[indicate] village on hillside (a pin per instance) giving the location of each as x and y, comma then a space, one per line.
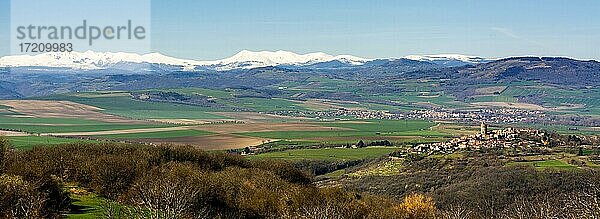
502, 138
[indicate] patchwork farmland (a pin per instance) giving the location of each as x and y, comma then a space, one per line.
115, 116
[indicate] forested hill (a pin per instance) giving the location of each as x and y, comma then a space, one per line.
558, 71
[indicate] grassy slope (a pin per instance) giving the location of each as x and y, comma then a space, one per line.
552, 97
89, 207
266, 105
28, 142
123, 105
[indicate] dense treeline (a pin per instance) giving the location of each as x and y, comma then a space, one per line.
179, 182
321, 167
555, 139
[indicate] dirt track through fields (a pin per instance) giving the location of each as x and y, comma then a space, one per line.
12, 134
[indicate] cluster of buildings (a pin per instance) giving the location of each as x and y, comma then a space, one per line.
504, 138
340, 114
496, 116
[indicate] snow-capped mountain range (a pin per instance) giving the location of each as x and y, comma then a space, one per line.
243, 60
449, 60
90, 60
248, 59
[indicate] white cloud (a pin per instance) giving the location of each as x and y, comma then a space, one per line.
511, 34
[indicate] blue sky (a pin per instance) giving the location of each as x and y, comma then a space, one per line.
4, 27
214, 29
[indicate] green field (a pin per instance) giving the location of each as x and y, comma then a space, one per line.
165, 134
299, 135
62, 125
5, 120
330, 153
7, 113
414, 92
322, 84
588, 99
384, 126
28, 142
61, 128
267, 105
366, 128
199, 91
122, 104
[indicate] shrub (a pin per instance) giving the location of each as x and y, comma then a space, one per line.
23, 199
418, 206
284, 170
173, 189
5, 144
251, 193
18, 198
205, 160
113, 175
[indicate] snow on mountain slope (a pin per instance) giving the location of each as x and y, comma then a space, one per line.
89, 60
249, 59
243, 60
449, 60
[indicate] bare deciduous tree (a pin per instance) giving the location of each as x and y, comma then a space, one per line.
456, 212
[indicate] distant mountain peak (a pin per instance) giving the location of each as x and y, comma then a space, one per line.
244, 59
449, 60
247, 59
90, 60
